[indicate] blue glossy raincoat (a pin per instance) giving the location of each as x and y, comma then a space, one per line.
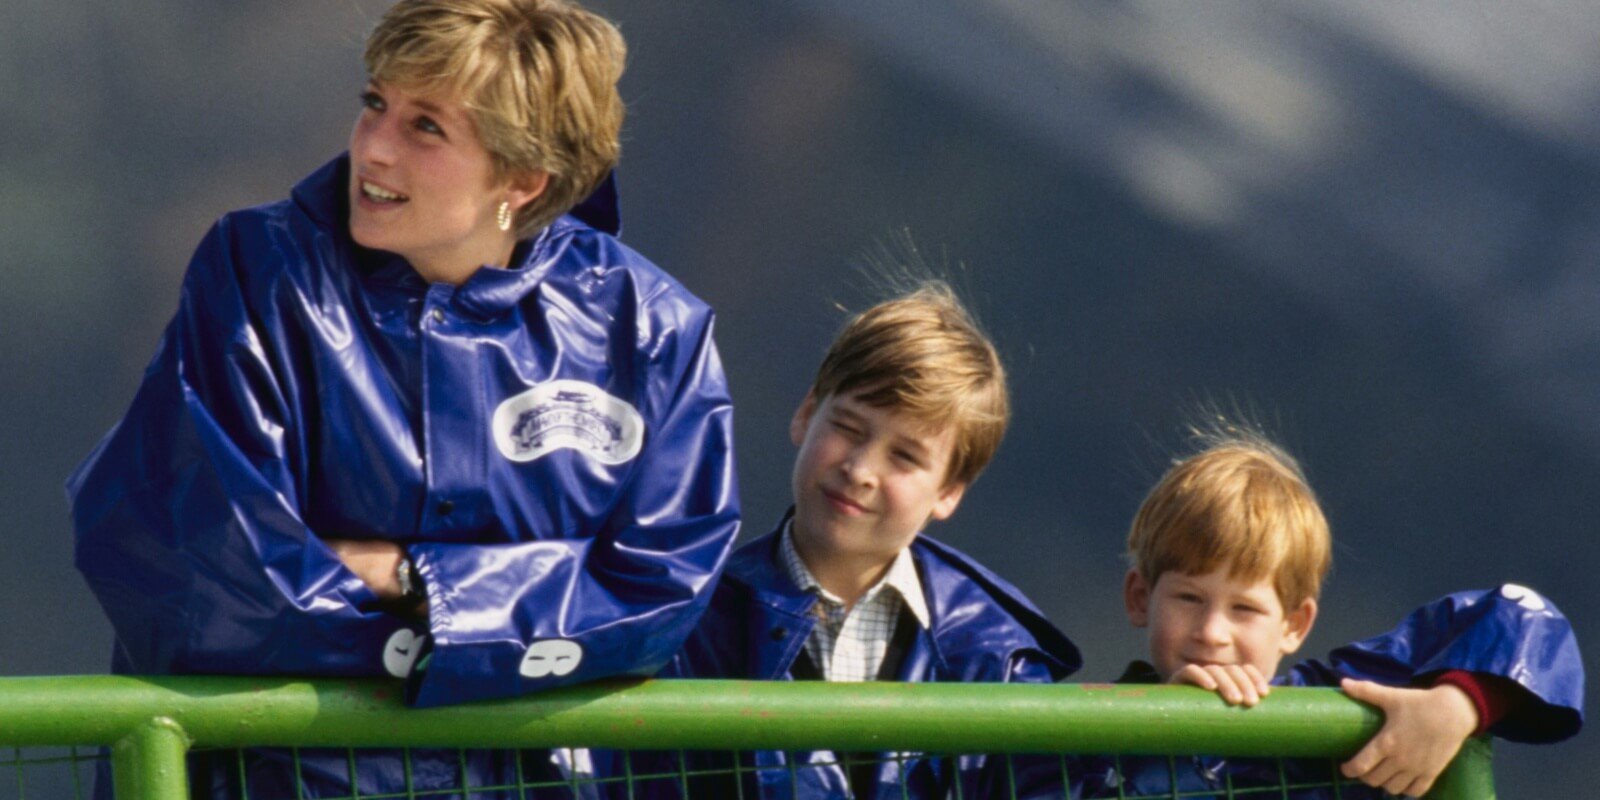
982, 629
551, 443
1511, 632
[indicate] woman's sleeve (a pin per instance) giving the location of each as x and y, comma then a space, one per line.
187, 514
1511, 632
507, 620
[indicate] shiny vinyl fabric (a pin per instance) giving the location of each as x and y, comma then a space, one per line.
552, 443
1511, 632
982, 629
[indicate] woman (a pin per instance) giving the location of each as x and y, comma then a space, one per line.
418, 419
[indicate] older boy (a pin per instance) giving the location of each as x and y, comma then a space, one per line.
906, 410
1229, 552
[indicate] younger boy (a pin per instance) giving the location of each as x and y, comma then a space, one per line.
1229, 551
906, 410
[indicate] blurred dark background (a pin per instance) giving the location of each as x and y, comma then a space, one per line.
1375, 224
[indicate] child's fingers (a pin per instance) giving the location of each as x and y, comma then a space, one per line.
1195, 675
1419, 787
1263, 686
1382, 774
1227, 685
1399, 783
1249, 695
1363, 762
1384, 697
1257, 684
1233, 685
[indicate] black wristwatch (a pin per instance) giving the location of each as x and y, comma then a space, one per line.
411, 590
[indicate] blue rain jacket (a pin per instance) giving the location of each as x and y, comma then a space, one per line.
550, 442
982, 629
1511, 632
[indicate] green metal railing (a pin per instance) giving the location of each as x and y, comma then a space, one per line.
149, 724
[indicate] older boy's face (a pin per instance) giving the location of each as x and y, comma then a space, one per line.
1215, 619
866, 480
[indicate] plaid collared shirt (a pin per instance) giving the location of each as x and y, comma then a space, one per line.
849, 645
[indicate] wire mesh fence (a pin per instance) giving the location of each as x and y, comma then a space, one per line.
256, 738
47, 772
70, 772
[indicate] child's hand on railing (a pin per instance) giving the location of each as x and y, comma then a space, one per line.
1236, 684
1423, 729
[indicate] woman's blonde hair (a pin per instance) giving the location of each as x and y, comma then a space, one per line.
538, 77
924, 355
1240, 504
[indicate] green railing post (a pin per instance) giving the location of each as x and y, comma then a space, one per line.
148, 763
1470, 776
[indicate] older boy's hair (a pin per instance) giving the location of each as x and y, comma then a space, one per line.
923, 354
1240, 504
538, 77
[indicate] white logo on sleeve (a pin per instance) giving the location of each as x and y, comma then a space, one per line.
1525, 597
551, 658
567, 414
400, 652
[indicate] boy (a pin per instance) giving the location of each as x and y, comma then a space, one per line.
1229, 551
905, 412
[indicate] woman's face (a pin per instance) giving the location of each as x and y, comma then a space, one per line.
422, 186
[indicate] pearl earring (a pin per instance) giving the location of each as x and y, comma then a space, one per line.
503, 216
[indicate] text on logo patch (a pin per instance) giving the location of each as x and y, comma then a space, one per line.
567, 414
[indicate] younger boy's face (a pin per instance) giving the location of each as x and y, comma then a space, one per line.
1215, 619
866, 479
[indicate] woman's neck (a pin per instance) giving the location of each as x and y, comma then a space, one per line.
458, 267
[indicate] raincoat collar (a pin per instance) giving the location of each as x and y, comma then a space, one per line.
951, 577
781, 613
489, 292
901, 577
601, 210
959, 592
757, 567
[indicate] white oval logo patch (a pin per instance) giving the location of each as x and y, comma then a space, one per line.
400, 652
551, 658
567, 414
1525, 597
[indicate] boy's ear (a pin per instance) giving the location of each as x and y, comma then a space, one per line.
1297, 625
949, 498
1136, 598
802, 419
